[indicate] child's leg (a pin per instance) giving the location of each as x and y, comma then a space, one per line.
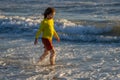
52, 57
43, 55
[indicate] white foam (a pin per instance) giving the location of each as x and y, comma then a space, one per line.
74, 61
70, 27
67, 30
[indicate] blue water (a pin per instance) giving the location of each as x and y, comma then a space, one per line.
68, 9
90, 40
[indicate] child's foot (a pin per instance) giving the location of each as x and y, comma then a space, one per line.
38, 62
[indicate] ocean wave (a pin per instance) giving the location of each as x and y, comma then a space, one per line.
67, 30
17, 24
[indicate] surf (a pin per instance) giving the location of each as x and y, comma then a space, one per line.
68, 30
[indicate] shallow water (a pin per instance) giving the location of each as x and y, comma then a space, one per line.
75, 61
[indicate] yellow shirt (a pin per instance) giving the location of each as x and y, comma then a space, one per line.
47, 29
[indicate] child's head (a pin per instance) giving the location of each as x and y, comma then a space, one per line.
49, 13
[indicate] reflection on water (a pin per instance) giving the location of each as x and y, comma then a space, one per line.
75, 60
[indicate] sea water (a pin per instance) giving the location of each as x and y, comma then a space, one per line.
89, 47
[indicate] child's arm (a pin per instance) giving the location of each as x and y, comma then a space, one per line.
38, 34
56, 36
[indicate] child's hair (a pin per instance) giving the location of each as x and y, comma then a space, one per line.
48, 11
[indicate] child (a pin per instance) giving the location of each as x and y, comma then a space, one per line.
48, 31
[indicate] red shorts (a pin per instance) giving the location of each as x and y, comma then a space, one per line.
47, 43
